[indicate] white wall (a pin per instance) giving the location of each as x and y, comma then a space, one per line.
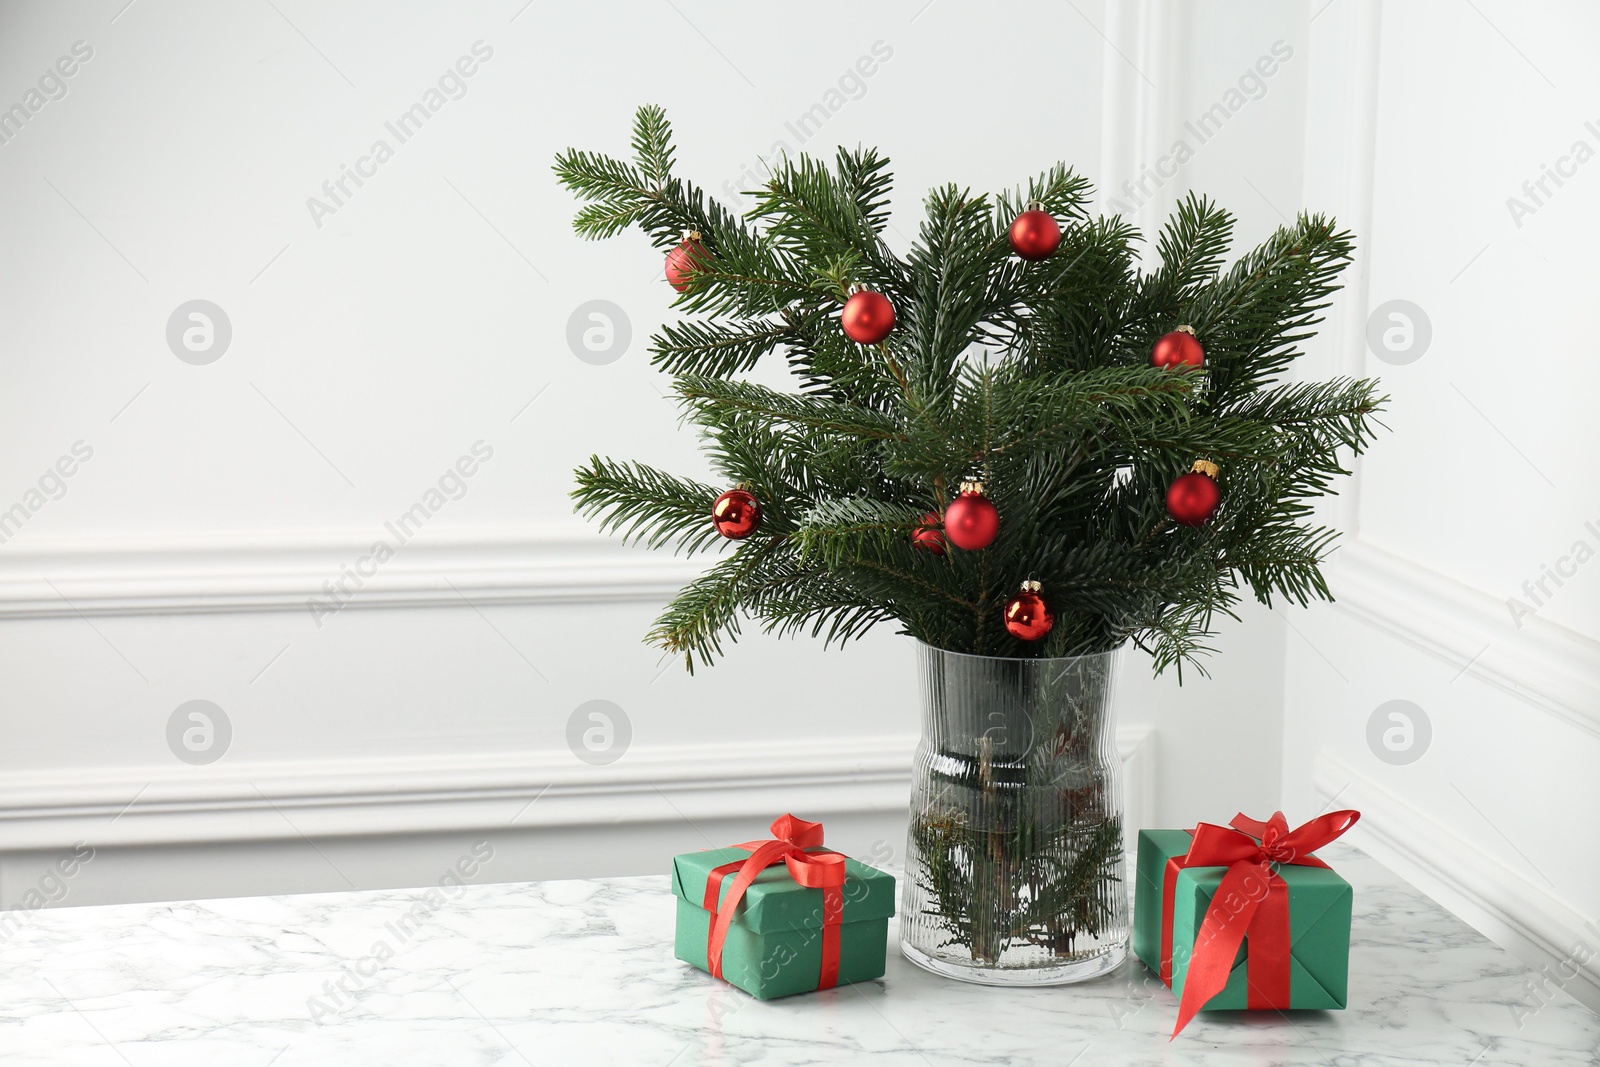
371, 349
1486, 478
430, 312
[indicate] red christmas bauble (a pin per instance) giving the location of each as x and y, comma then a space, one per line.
690, 255
867, 317
736, 514
1027, 616
1193, 498
1178, 348
1035, 234
971, 521
928, 536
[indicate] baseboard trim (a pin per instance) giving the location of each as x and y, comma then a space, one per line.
1475, 885
377, 796
1541, 663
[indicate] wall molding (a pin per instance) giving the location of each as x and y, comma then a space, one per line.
174, 804
1339, 175
1137, 746
374, 796
1542, 663
1475, 885
188, 574
1137, 113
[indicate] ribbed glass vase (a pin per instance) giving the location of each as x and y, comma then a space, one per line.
1014, 865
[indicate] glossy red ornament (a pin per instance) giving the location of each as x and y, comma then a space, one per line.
867, 317
971, 521
928, 536
1178, 348
736, 514
1193, 498
1035, 234
690, 255
1027, 616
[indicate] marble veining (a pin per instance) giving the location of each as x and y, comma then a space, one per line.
582, 972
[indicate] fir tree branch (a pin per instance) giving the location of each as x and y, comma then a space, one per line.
1192, 246
819, 216
707, 609
647, 506
1033, 375
717, 349
652, 145
709, 395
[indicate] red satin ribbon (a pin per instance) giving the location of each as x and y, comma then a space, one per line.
1252, 900
823, 870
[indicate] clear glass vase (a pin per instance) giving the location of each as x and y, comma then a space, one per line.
1014, 864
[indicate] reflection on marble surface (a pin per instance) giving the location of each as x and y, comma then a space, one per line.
582, 972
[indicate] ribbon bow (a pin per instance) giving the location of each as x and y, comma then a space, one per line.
1251, 900
824, 870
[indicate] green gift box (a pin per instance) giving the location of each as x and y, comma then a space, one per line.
1319, 907
778, 941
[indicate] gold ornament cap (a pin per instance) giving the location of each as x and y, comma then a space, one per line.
972, 487
1185, 328
691, 235
1206, 467
1031, 586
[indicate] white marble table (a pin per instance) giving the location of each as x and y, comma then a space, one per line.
581, 972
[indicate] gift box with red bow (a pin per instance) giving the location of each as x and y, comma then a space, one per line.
1244, 915
784, 915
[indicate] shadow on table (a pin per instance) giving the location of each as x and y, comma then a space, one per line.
1309, 1018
